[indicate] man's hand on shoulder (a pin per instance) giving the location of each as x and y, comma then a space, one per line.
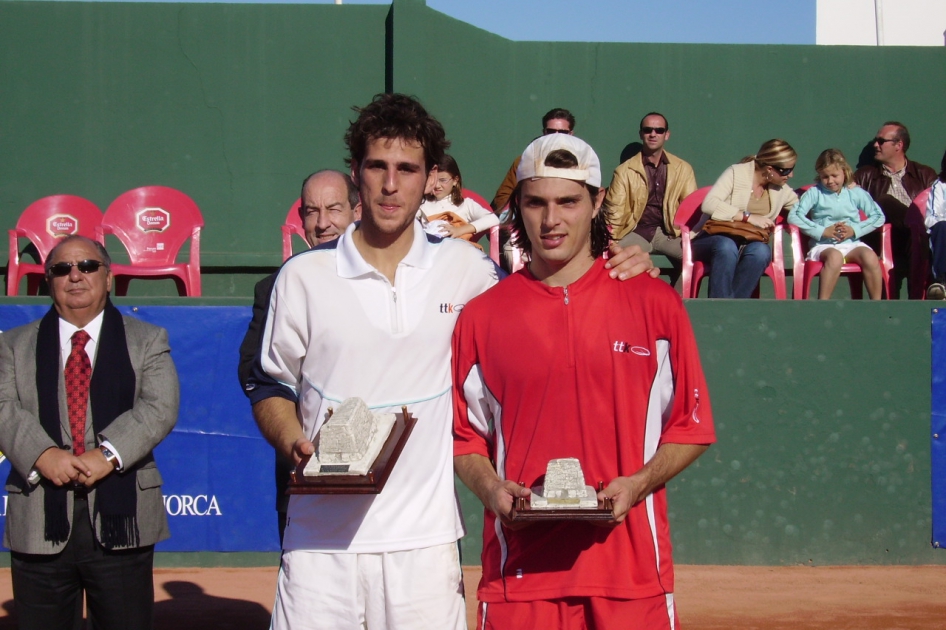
627, 262
99, 467
60, 466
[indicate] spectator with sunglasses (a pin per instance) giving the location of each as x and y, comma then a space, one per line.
556, 120
754, 191
646, 191
894, 182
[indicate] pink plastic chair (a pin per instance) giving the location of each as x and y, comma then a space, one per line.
493, 231
293, 225
804, 271
692, 271
44, 222
153, 222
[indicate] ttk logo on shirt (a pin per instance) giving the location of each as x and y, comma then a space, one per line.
153, 220
627, 348
451, 308
60, 225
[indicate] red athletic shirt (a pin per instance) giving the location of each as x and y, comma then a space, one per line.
601, 370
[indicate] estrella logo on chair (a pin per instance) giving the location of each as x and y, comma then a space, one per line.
153, 219
60, 225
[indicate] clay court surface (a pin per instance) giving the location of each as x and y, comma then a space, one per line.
709, 598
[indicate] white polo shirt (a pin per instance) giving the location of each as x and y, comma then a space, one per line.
337, 328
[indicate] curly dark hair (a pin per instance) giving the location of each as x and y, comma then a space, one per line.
600, 231
395, 116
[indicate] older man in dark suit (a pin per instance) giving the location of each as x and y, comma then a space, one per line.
85, 396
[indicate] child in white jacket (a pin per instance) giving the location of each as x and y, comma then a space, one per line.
445, 210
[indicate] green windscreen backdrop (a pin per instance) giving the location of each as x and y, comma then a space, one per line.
235, 103
822, 409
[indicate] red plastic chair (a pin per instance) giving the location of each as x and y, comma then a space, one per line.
919, 244
692, 271
44, 222
153, 222
493, 231
293, 225
805, 271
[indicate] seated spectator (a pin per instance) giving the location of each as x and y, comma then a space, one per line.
646, 191
445, 210
830, 213
936, 226
894, 182
754, 191
556, 120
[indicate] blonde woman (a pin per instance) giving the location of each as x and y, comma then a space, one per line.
754, 191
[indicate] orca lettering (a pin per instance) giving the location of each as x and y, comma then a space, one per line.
187, 505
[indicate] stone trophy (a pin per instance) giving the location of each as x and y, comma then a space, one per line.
355, 450
563, 497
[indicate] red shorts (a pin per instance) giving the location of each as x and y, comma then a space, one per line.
580, 613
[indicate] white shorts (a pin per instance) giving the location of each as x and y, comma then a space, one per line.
416, 589
845, 247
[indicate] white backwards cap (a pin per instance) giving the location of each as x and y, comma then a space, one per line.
532, 164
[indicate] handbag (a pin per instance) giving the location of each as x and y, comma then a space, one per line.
741, 231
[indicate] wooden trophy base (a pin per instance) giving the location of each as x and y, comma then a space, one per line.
522, 511
371, 482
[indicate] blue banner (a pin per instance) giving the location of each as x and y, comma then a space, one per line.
218, 471
938, 427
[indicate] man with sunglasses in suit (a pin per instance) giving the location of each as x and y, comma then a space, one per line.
894, 182
86, 394
646, 191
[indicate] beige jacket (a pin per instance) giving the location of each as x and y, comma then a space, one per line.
729, 196
627, 195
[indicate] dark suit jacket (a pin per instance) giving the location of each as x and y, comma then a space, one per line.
134, 434
248, 351
251, 340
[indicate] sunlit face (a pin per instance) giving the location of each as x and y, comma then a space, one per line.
832, 178
650, 138
79, 297
886, 148
326, 212
444, 185
557, 125
393, 181
557, 214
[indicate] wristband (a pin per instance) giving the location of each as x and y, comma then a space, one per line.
745, 217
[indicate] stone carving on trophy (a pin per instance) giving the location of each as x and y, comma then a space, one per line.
355, 450
564, 487
564, 496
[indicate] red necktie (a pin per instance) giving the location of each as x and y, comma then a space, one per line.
78, 374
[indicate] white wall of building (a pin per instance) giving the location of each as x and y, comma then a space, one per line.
905, 22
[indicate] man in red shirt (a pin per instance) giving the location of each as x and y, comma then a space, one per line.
601, 371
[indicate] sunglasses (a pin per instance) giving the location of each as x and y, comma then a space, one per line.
64, 268
549, 132
883, 141
784, 172
657, 130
